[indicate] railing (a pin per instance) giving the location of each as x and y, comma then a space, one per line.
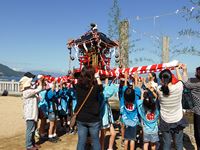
11, 86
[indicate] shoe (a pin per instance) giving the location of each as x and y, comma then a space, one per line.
71, 132
37, 133
43, 138
57, 138
32, 148
52, 140
37, 146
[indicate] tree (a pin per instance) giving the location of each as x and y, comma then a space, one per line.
113, 24
190, 14
114, 32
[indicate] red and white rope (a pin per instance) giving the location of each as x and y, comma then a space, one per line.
141, 69
116, 72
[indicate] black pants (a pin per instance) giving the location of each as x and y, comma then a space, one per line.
197, 130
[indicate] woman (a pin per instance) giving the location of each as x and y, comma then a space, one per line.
88, 119
194, 85
30, 101
172, 122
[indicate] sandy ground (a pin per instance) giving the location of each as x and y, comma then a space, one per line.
11, 114
12, 130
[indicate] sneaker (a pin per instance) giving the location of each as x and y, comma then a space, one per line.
32, 148
43, 138
57, 138
37, 146
37, 133
71, 132
52, 140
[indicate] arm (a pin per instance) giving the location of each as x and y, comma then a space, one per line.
98, 78
178, 74
34, 91
109, 91
185, 73
126, 78
152, 90
136, 78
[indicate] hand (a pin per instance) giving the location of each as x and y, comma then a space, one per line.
184, 66
179, 66
96, 75
135, 75
126, 75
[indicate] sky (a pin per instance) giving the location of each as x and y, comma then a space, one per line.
34, 33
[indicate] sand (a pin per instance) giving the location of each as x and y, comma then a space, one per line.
11, 114
12, 130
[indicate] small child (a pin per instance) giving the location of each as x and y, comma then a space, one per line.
106, 114
149, 114
130, 113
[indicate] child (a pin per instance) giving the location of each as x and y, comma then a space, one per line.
106, 113
52, 100
129, 112
30, 99
63, 104
43, 114
149, 113
122, 128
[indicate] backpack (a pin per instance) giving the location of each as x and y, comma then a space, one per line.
187, 98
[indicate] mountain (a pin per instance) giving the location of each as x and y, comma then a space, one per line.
5, 71
55, 74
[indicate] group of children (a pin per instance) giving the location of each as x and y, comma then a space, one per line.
55, 103
138, 106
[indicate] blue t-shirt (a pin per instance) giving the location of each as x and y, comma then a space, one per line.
42, 104
51, 98
130, 118
64, 100
149, 120
72, 93
108, 91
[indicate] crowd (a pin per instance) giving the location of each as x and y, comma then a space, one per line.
149, 108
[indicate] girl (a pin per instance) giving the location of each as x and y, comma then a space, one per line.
43, 113
106, 113
149, 113
152, 80
129, 112
52, 100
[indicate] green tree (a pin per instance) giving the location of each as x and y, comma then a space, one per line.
190, 14
113, 23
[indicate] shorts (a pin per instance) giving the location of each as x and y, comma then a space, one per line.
153, 138
42, 115
52, 116
130, 133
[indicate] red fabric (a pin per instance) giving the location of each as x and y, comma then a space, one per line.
174, 79
150, 116
129, 106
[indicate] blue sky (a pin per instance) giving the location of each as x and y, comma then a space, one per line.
33, 34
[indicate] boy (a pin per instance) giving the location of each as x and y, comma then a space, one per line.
129, 112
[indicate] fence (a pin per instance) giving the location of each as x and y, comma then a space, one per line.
11, 86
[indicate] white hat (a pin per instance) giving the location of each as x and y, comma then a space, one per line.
25, 82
